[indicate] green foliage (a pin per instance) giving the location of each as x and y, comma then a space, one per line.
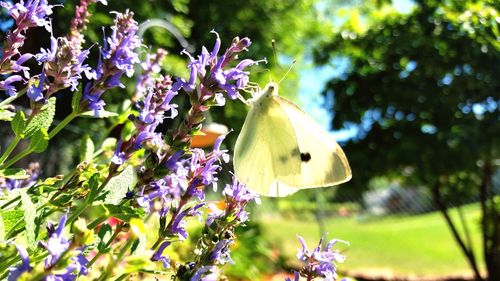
29, 217
118, 186
423, 89
413, 83
13, 173
43, 119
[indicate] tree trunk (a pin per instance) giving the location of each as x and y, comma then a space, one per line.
490, 223
469, 255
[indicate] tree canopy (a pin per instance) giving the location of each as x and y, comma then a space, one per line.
423, 89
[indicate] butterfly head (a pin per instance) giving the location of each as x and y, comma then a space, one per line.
271, 89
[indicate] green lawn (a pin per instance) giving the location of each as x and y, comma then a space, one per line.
404, 246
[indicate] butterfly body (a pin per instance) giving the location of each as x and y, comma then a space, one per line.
281, 150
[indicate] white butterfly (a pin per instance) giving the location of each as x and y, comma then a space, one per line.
281, 150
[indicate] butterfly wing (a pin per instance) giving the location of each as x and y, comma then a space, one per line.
265, 156
323, 163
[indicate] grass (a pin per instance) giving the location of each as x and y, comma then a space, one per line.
419, 245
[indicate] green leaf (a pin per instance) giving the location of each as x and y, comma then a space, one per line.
14, 173
86, 148
43, 119
2, 229
102, 114
13, 219
75, 100
39, 141
6, 115
18, 124
118, 186
29, 216
123, 213
104, 234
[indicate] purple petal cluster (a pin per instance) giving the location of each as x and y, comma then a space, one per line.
178, 227
206, 273
63, 65
27, 14
320, 262
153, 108
117, 58
214, 72
237, 196
150, 66
221, 252
33, 171
57, 245
15, 272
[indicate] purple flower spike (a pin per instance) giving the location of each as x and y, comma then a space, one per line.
6, 84
158, 255
15, 272
35, 93
206, 273
30, 13
221, 253
319, 263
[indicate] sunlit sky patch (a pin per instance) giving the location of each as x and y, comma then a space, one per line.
313, 80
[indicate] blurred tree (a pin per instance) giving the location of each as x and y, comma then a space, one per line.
423, 89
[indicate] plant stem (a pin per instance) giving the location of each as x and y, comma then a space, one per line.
63, 124
9, 149
111, 239
16, 158
14, 97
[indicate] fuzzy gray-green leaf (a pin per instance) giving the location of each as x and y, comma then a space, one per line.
43, 119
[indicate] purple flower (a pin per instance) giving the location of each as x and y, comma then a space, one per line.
206, 273
57, 245
15, 272
221, 253
30, 13
158, 255
35, 92
33, 171
6, 84
26, 14
117, 58
221, 78
149, 67
179, 225
320, 263
63, 63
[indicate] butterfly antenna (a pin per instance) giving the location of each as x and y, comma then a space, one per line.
288, 71
273, 43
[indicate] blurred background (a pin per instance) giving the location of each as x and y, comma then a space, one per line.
409, 88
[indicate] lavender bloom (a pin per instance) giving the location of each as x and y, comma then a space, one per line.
33, 171
80, 20
220, 79
57, 245
320, 263
221, 253
15, 272
30, 14
179, 225
26, 14
117, 58
149, 67
206, 273
158, 255
63, 63
35, 92
6, 84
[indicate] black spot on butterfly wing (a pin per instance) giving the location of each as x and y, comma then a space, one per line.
305, 156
